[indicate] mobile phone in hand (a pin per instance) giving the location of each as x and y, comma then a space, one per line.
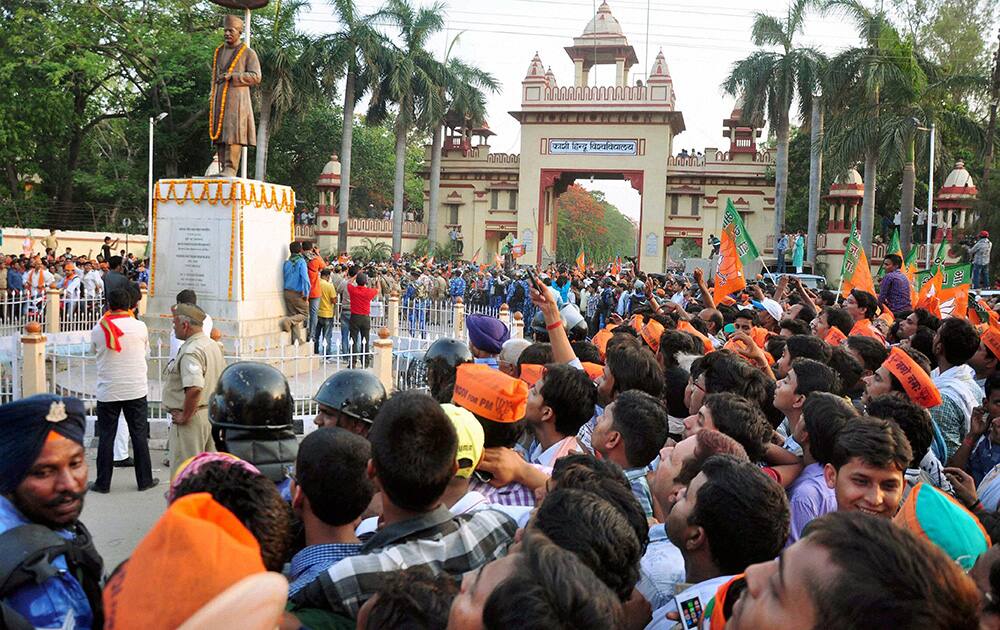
690, 612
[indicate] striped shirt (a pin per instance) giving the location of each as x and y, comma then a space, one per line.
437, 540
640, 488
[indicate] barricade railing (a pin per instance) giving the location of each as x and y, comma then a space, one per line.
17, 308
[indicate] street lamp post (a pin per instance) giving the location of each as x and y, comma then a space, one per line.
149, 198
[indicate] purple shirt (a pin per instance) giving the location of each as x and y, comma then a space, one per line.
809, 497
894, 291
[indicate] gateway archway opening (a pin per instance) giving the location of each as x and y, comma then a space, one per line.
576, 210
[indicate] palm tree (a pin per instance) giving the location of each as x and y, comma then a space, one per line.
410, 81
769, 82
371, 251
291, 79
360, 50
865, 83
460, 97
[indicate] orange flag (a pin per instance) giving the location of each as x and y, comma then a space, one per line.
729, 274
929, 295
858, 275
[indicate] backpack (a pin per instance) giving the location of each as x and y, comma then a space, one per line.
519, 293
27, 555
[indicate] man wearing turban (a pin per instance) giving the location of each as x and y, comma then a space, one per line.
235, 69
43, 479
486, 337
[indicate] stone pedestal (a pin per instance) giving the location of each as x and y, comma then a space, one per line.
225, 239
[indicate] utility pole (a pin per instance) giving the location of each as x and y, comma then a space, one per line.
992, 126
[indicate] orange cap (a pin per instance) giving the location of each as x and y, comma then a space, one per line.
531, 373
636, 323
835, 336
594, 370
651, 333
915, 381
991, 339
490, 393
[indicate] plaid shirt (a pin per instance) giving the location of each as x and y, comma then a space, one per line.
443, 543
315, 559
640, 488
511, 494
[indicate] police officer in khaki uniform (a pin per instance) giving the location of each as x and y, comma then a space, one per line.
190, 381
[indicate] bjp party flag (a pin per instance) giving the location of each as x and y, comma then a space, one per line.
951, 289
729, 276
581, 262
856, 272
745, 246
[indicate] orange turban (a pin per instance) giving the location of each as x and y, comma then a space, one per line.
194, 552
490, 393
917, 383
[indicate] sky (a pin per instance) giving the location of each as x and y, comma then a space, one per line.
700, 43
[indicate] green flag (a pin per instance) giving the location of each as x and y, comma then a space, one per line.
942, 254
910, 262
952, 276
744, 244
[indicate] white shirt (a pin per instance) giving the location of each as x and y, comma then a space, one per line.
31, 279
470, 502
71, 290
122, 375
175, 343
93, 283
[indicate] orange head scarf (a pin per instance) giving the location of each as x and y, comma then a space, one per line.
917, 383
195, 551
490, 393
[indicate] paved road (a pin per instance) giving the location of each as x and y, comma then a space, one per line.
119, 520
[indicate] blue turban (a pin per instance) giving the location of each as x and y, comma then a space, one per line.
487, 333
24, 425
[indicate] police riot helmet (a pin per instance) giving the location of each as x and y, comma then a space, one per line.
251, 396
354, 393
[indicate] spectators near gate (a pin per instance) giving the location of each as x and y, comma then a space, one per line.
296, 291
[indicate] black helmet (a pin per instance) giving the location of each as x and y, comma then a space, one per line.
441, 360
251, 396
354, 393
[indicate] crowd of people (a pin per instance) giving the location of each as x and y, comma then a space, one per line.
644, 458
83, 280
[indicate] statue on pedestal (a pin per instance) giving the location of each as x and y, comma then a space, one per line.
235, 68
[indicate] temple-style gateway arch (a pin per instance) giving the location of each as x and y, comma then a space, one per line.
620, 131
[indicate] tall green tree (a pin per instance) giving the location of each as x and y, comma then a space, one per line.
864, 84
410, 82
770, 82
460, 98
362, 51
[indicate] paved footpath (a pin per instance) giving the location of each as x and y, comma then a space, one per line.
119, 520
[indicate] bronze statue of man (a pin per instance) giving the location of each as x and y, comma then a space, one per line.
235, 68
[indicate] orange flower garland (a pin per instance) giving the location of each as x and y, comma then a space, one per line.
214, 131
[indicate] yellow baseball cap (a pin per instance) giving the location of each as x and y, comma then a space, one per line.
470, 439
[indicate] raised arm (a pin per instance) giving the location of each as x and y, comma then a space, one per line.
541, 297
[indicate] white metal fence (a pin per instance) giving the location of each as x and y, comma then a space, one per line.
17, 308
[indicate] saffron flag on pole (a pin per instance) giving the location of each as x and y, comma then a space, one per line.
616, 266
581, 261
927, 293
745, 246
856, 273
950, 286
475, 257
729, 276
910, 271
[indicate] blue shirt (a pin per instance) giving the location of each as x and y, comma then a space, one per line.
46, 605
314, 559
984, 457
661, 568
894, 291
15, 280
456, 288
809, 497
296, 276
